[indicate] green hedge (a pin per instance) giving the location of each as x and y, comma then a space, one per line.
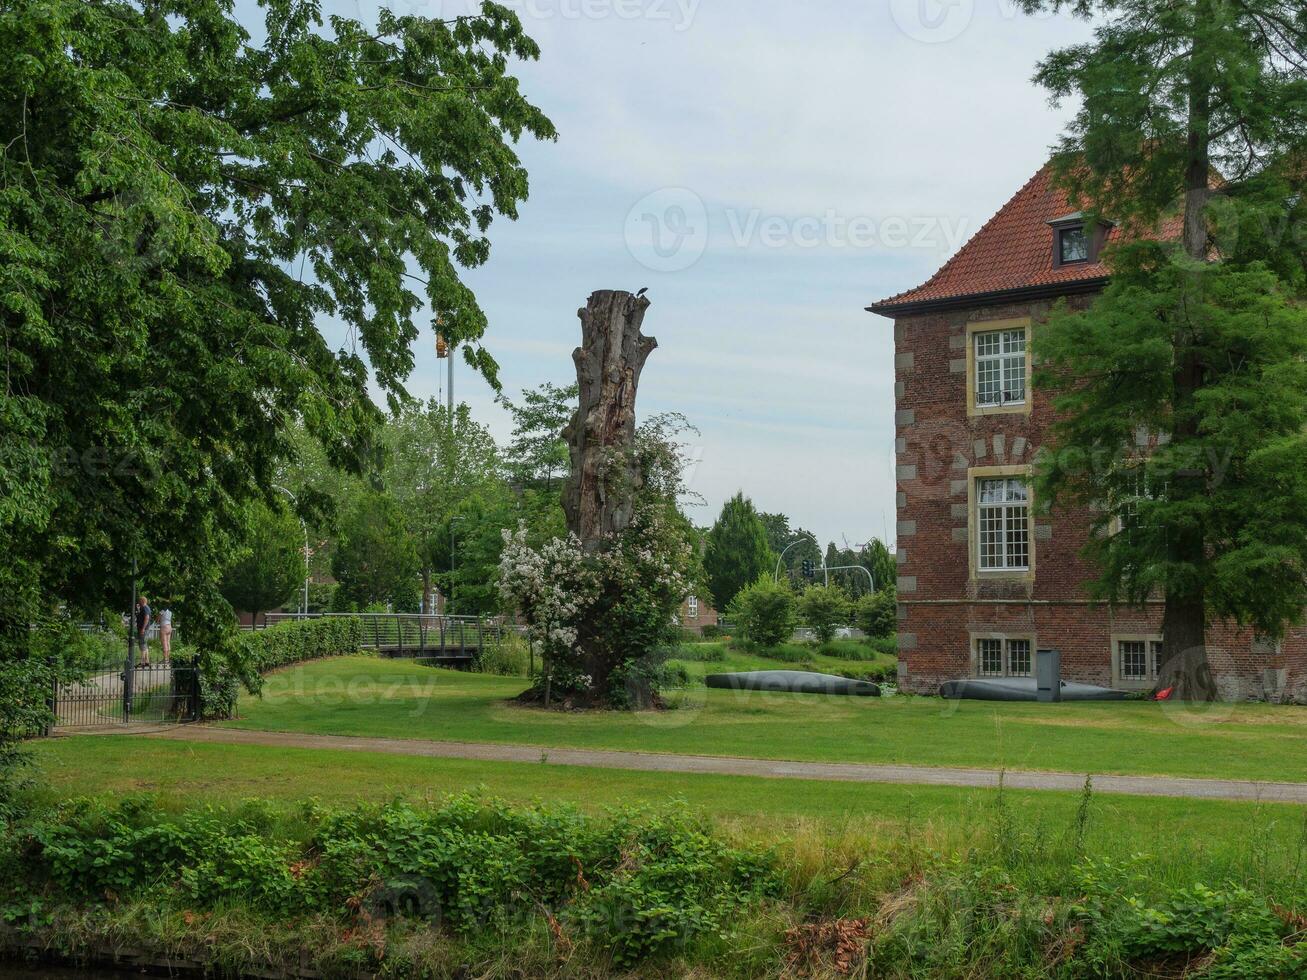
310, 639
288, 643
636, 884
477, 887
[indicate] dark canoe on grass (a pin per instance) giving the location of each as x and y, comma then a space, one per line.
793, 682
1020, 689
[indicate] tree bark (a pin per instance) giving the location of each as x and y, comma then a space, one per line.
599, 495
1184, 665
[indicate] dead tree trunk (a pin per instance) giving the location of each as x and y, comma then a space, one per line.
599, 497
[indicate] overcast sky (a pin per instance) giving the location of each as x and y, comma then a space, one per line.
767, 169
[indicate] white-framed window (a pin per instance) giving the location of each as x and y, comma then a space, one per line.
692, 607
1019, 658
1000, 368
1004, 656
1003, 514
1138, 659
1132, 488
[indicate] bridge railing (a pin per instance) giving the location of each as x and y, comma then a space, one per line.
415, 634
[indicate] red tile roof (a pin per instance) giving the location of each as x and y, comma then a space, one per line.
1014, 250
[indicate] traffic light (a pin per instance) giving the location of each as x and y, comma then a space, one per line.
806, 567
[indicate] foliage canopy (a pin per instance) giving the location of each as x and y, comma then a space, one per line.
180, 206
1181, 419
268, 568
824, 608
736, 552
765, 612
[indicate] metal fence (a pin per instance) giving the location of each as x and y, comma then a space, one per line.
159, 692
151, 633
416, 634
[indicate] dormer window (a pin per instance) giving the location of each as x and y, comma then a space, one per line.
1072, 245
1077, 240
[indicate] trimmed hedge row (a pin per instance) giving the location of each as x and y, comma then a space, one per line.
309, 639
278, 646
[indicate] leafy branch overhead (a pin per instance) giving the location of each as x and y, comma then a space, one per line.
182, 207
1161, 85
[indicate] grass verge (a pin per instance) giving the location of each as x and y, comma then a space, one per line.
1219, 836
370, 697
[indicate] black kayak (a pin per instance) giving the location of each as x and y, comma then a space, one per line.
793, 682
1020, 689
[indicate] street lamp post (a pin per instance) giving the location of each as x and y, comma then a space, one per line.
304, 605
853, 568
799, 540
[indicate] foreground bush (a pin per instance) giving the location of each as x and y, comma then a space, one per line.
637, 885
825, 608
279, 646
764, 612
877, 614
471, 887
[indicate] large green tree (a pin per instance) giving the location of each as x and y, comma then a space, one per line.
736, 553
1181, 419
321, 492
802, 544
882, 564
874, 557
181, 205
537, 455
778, 530
436, 463
268, 569
375, 560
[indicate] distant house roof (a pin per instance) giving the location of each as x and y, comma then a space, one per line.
1011, 256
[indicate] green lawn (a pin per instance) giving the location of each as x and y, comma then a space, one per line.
371, 697
1216, 833
961, 860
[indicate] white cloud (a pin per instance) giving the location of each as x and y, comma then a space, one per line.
792, 111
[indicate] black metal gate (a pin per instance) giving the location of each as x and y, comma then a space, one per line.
159, 693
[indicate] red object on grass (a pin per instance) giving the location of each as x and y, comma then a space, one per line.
1164, 694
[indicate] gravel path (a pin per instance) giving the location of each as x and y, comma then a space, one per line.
1213, 789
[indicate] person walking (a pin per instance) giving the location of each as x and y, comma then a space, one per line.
143, 619
165, 632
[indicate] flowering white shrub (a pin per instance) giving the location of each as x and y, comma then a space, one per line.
549, 586
599, 618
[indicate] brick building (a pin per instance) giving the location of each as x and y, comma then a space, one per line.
696, 613
985, 577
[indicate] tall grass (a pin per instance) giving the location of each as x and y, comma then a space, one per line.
999, 894
702, 652
510, 657
1008, 895
996, 894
